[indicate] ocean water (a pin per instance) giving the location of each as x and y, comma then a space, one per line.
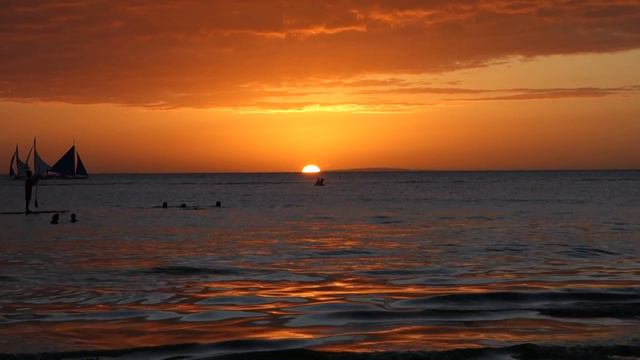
370, 262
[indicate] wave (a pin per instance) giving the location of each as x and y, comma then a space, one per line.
524, 351
619, 304
231, 273
189, 270
622, 294
599, 310
343, 252
587, 252
295, 349
609, 179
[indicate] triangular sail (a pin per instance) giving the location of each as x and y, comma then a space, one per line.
40, 167
26, 161
21, 167
66, 165
12, 173
80, 170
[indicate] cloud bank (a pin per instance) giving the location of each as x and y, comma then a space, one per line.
237, 54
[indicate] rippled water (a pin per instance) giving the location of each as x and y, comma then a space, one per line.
372, 261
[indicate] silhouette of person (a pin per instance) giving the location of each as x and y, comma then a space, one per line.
218, 204
183, 206
55, 218
73, 218
29, 181
164, 205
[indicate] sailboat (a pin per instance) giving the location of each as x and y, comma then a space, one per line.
67, 167
20, 168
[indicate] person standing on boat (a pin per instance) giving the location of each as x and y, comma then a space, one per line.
29, 181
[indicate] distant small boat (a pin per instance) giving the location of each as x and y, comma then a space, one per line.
67, 167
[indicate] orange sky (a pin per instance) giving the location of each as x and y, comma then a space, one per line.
179, 86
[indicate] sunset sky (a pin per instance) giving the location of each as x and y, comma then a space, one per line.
182, 86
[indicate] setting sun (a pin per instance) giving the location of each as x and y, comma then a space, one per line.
311, 169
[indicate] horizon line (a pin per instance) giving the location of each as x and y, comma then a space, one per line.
374, 170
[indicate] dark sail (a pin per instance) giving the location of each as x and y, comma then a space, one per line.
12, 174
66, 165
21, 167
26, 161
40, 167
81, 171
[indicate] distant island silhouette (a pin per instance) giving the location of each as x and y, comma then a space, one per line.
382, 169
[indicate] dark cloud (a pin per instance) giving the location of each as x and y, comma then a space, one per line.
539, 94
423, 90
204, 53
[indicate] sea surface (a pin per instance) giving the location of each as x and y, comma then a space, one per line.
406, 261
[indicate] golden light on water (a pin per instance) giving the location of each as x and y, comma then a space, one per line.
310, 169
